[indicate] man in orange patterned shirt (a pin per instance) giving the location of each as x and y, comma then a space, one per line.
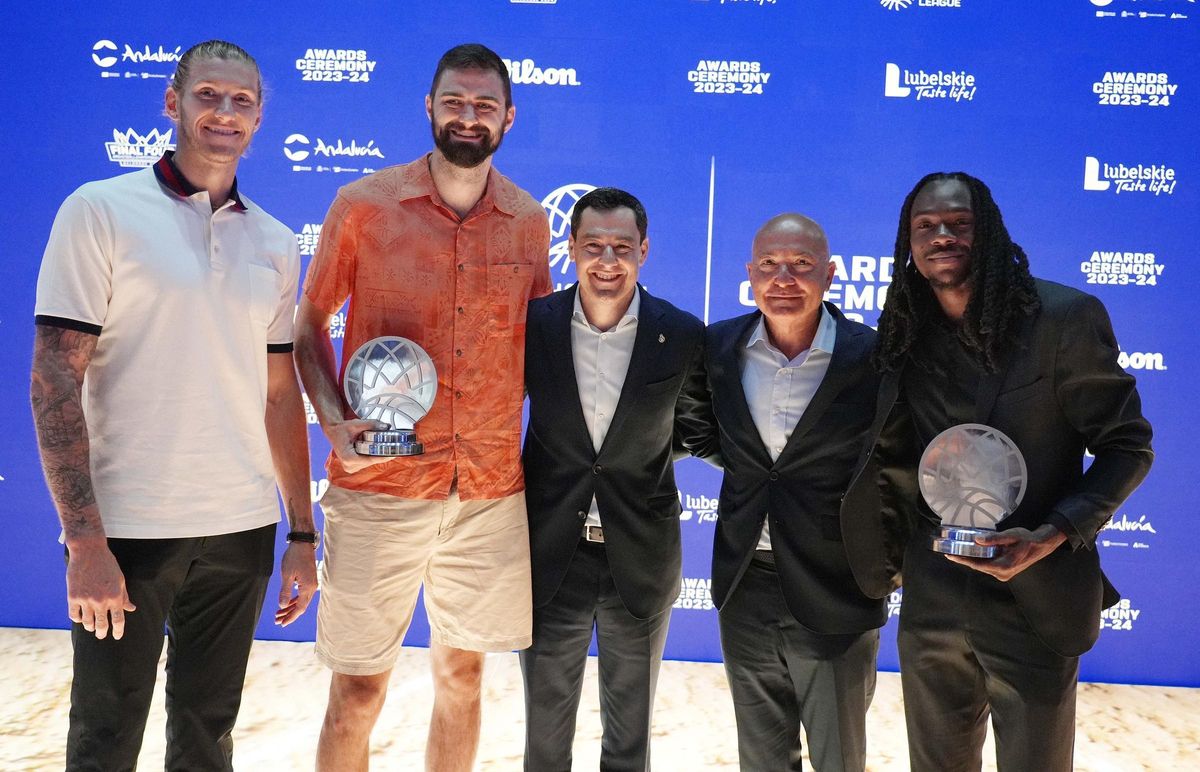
447, 252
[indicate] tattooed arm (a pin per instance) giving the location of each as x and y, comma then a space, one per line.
95, 584
287, 433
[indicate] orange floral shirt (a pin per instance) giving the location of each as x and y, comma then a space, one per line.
459, 288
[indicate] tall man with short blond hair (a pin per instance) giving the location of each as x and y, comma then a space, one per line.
167, 412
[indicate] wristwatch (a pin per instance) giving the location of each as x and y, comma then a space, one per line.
308, 537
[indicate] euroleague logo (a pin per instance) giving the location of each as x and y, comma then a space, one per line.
559, 204
901, 5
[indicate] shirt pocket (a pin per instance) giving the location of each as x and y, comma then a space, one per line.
508, 287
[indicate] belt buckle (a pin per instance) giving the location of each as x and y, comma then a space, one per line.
593, 533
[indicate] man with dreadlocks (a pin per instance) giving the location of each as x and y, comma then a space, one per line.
968, 336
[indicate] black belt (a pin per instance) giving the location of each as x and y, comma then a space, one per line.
764, 557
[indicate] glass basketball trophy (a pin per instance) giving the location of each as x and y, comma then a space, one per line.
391, 380
972, 476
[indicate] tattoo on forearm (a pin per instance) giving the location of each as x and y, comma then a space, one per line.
60, 358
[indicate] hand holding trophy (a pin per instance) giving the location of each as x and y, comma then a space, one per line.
972, 476
391, 380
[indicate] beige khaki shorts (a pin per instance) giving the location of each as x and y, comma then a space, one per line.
471, 556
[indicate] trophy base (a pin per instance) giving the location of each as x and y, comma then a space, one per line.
397, 442
953, 540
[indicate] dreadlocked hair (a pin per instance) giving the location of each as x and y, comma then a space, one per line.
1003, 290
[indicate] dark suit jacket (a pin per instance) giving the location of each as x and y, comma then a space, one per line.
1061, 392
662, 414
834, 550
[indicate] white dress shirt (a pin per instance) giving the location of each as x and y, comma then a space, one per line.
601, 359
778, 390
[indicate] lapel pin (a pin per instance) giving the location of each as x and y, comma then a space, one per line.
662, 338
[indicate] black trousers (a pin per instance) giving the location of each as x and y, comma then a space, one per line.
209, 593
966, 650
630, 651
784, 676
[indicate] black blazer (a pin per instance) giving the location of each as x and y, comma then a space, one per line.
1060, 393
834, 550
662, 414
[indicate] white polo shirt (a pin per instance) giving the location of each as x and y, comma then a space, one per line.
186, 302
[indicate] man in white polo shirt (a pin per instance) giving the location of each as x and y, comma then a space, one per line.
167, 412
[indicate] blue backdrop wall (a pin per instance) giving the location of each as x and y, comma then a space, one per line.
1080, 114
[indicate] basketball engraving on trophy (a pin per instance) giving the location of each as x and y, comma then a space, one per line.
972, 476
392, 380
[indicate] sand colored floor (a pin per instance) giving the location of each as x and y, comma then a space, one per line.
1120, 727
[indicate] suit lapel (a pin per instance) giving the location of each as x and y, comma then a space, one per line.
846, 352
646, 347
557, 335
726, 376
990, 383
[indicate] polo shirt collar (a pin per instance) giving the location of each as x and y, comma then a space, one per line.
172, 179
419, 183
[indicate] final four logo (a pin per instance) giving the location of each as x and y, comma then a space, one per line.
558, 205
131, 149
1158, 179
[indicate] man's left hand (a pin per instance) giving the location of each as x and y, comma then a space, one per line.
297, 570
1020, 548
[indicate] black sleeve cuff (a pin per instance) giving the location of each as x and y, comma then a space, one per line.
67, 324
1063, 524
280, 348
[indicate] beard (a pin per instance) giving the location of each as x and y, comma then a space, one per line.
465, 155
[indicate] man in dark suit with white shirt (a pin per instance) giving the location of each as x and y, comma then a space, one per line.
616, 393
801, 558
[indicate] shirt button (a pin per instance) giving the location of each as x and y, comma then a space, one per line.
773, 476
778, 450
604, 336
516, 269
458, 435
597, 469
458, 352
460, 309
216, 249
461, 267
458, 394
